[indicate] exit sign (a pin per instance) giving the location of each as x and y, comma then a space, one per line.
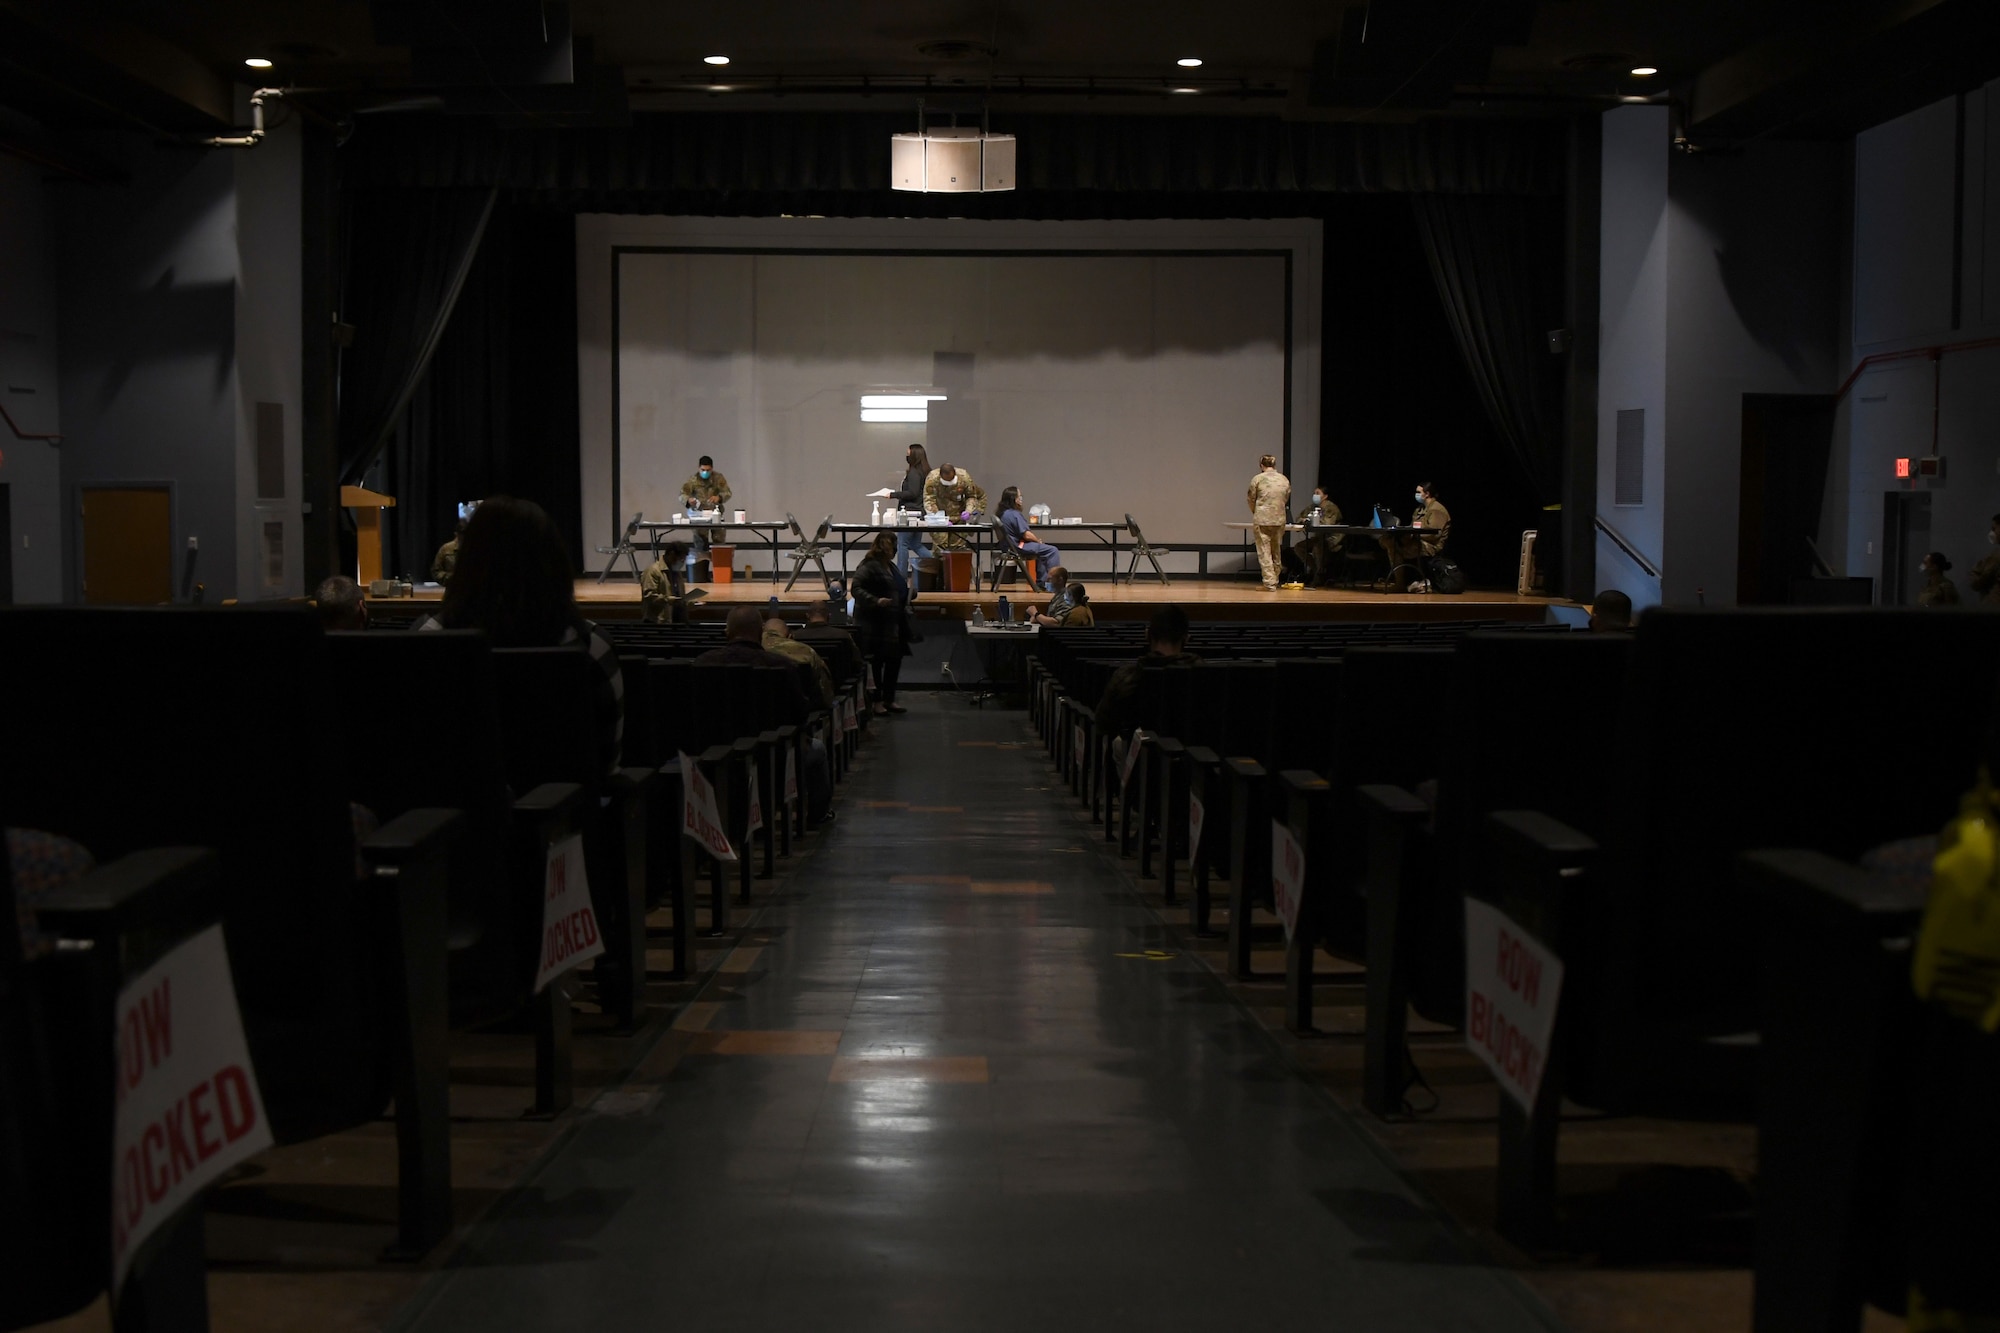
1902, 467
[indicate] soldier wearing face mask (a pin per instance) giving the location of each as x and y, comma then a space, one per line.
706, 489
1986, 574
1415, 549
1319, 547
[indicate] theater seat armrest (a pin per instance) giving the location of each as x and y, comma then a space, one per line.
1803, 883
787, 731
1539, 837
1202, 755
714, 754
1169, 746
1303, 782
548, 798
411, 836
1244, 768
178, 885
1382, 798
631, 779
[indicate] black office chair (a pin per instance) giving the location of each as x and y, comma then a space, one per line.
1140, 546
1006, 553
814, 549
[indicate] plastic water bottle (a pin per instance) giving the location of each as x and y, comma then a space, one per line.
1006, 613
875, 515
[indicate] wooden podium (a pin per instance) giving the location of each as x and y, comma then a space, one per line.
367, 507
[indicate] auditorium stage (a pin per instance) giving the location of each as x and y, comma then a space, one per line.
1202, 599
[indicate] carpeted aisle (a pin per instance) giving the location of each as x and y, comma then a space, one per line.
946, 1087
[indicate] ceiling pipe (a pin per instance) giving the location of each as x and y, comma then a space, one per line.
256, 134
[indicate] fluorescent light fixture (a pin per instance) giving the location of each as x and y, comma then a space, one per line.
258, 62
914, 416
916, 400
1644, 72
715, 60
1189, 62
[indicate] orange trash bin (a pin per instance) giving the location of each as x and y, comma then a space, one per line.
722, 564
958, 571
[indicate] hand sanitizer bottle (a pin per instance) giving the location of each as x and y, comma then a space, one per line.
978, 614
875, 515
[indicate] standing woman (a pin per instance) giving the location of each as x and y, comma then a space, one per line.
910, 496
882, 619
1270, 494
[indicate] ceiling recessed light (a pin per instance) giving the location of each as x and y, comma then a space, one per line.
1183, 90
1644, 72
715, 60
258, 62
1189, 62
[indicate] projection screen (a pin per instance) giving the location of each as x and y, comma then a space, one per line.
1099, 384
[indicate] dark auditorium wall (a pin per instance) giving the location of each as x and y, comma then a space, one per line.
30, 469
1399, 405
147, 292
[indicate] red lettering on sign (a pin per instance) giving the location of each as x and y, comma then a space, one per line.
205, 1147
1520, 967
239, 1108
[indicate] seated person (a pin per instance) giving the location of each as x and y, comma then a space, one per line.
1051, 615
1166, 645
514, 580
1414, 549
446, 558
1079, 615
1318, 549
1015, 520
1611, 612
744, 646
341, 606
835, 645
663, 587
778, 639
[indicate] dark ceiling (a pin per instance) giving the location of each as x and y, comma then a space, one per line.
1735, 68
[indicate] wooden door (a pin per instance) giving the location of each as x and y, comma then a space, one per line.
128, 546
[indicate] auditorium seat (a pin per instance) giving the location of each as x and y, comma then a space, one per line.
553, 734
57, 1014
455, 759
222, 727
1738, 729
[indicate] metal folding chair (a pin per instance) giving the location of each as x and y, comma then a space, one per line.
1140, 546
814, 548
1006, 553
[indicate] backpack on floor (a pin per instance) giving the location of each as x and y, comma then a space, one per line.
1445, 575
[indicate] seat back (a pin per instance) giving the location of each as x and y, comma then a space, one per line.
1772, 728
825, 526
549, 699
793, 523
455, 760
1132, 527
219, 727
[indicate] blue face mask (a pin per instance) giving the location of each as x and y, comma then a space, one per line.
704, 474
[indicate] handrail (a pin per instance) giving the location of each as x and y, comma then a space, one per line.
1932, 353
1618, 539
20, 434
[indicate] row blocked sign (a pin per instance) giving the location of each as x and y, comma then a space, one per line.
1512, 984
701, 819
1288, 875
1131, 757
188, 1105
569, 923
756, 806
1196, 813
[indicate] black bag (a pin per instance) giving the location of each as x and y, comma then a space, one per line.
1444, 574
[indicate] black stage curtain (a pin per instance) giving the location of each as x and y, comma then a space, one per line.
405, 254
1498, 265
496, 413
1397, 404
721, 155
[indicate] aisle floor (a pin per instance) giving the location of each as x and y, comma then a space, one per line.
958, 1087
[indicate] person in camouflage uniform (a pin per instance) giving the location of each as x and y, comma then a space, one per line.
778, 639
706, 489
662, 591
951, 491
